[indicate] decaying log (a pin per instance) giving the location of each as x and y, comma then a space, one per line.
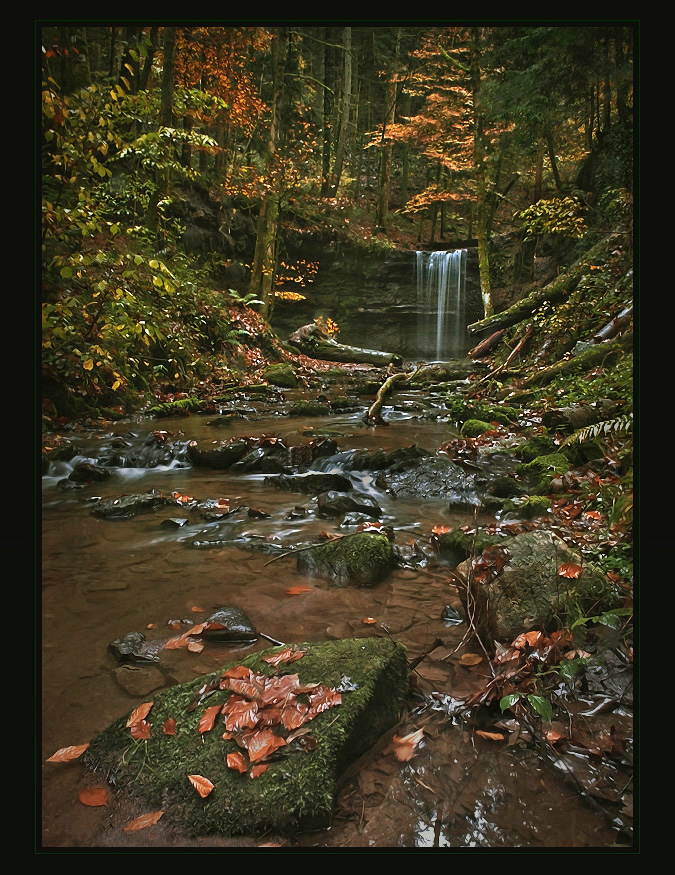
514, 352
313, 342
557, 290
373, 416
486, 345
621, 320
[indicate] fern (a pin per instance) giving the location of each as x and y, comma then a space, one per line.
619, 425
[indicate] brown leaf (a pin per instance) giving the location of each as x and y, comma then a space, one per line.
258, 769
93, 796
296, 590
491, 736
143, 821
284, 656
169, 727
202, 785
139, 713
470, 659
405, 746
237, 761
261, 745
369, 621
66, 754
208, 718
140, 730
570, 569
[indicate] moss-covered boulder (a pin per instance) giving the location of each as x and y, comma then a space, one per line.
462, 410
361, 559
217, 454
531, 581
309, 408
282, 375
542, 470
271, 735
475, 427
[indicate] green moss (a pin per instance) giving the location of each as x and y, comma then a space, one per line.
543, 469
309, 408
363, 559
462, 410
182, 407
298, 788
475, 427
282, 375
537, 445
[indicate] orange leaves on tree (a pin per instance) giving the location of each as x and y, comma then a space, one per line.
66, 754
406, 745
93, 796
143, 821
202, 785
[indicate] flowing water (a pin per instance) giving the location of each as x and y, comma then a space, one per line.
441, 287
102, 579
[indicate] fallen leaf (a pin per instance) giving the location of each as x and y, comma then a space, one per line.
195, 646
139, 713
258, 769
369, 621
296, 590
143, 821
284, 656
208, 718
570, 569
93, 796
140, 730
405, 746
491, 736
527, 639
66, 754
262, 744
202, 785
470, 659
237, 761
169, 727
197, 610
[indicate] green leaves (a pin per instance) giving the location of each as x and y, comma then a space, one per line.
540, 704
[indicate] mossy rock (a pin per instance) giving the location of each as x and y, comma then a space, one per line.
462, 410
541, 470
297, 791
455, 546
282, 375
309, 408
361, 559
537, 445
475, 427
182, 407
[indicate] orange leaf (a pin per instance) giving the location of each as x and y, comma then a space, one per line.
195, 646
470, 659
93, 796
570, 569
527, 639
285, 656
296, 590
169, 727
369, 621
141, 729
406, 745
237, 761
491, 736
208, 718
139, 713
197, 610
202, 785
261, 744
66, 754
258, 770
440, 530
143, 821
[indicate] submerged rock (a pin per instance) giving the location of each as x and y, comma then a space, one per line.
263, 775
361, 559
334, 504
230, 625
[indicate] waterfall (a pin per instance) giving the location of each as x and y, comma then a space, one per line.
441, 286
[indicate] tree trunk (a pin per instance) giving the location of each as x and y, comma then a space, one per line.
168, 77
482, 202
264, 259
344, 113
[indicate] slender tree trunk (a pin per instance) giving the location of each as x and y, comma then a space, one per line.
168, 77
344, 113
264, 259
482, 202
384, 179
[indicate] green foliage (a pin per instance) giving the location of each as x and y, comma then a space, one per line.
561, 216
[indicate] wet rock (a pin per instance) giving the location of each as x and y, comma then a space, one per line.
311, 483
334, 504
140, 680
361, 559
218, 454
434, 477
86, 472
525, 591
230, 625
132, 648
396, 460
126, 506
309, 408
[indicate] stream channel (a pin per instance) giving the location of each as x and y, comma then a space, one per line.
103, 578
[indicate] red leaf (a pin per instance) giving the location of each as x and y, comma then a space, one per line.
139, 713
66, 754
93, 796
491, 736
570, 569
202, 785
208, 718
143, 821
140, 730
169, 727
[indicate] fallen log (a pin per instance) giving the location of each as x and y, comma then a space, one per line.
486, 345
314, 343
621, 320
373, 416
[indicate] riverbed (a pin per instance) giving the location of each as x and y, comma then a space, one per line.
103, 578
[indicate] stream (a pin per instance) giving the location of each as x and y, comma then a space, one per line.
103, 578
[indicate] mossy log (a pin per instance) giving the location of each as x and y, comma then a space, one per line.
297, 790
311, 341
556, 291
373, 416
604, 354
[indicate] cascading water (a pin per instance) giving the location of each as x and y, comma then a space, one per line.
441, 288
